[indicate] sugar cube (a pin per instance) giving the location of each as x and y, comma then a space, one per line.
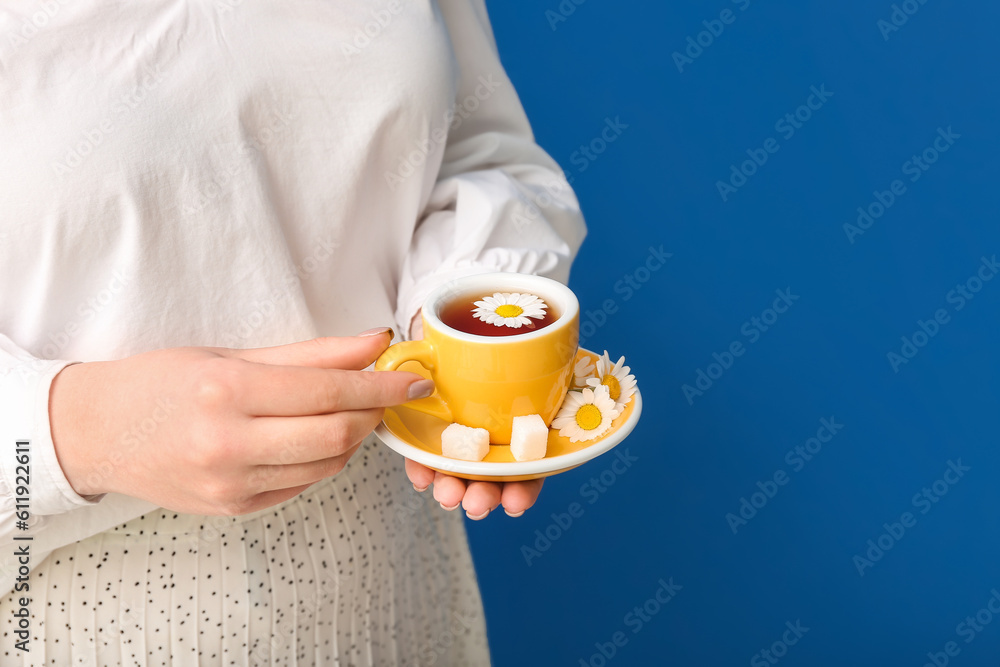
529, 438
465, 443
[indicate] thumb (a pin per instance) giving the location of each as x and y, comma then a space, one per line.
353, 353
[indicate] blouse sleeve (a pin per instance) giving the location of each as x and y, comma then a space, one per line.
24, 418
500, 202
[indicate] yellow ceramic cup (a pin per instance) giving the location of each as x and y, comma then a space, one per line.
486, 381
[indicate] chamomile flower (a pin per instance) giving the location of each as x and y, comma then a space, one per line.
616, 378
586, 414
583, 371
510, 309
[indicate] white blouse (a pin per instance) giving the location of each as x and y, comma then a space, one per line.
241, 174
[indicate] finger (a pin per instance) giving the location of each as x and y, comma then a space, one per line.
348, 353
520, 496
269, 499
276, 477
275, 391
420, 475
283, 441
481, 498
448, 490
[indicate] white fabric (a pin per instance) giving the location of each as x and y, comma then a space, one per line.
195, 172
359, 569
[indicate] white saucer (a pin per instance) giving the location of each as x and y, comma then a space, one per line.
417, 436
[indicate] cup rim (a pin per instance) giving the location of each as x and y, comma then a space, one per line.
546, 287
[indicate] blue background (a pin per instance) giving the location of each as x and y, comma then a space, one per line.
826, 357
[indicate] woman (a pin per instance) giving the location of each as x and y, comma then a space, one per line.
188, 187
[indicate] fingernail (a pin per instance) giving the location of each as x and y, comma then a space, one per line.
480, 517
514, 515
418, 489
453, 507
377, 331
420, 389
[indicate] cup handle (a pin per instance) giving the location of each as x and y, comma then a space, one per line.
422, 352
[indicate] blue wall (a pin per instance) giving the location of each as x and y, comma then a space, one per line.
897, 433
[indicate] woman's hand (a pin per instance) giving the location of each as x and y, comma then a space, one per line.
219, 431
478, 499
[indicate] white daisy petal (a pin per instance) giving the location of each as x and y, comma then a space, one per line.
577, 423
582, 371
530, 301
573, 400
525, 306
533, 311
603, 362
616, 375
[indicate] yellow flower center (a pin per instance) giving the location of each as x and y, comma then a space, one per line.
509, 310
588, 417
614, 389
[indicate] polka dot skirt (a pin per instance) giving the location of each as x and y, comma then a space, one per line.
358, 570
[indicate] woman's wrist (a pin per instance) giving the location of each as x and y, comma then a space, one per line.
67, 421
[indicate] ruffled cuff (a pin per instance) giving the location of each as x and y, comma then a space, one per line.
24, 410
